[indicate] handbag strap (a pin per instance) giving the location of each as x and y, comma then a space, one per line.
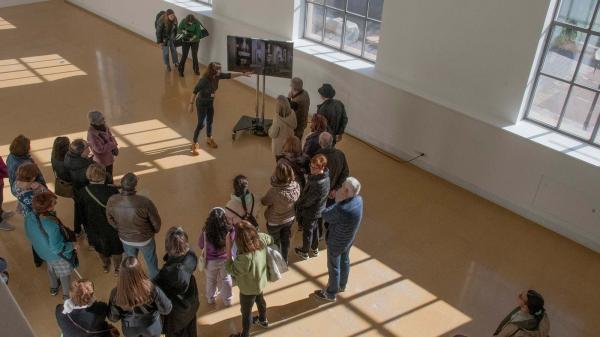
84, 329
94, 197
43, 230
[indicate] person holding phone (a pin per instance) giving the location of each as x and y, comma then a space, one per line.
204, 96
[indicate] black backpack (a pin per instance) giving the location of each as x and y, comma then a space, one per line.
248, 216
158, 16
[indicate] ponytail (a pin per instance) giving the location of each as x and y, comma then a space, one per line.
535, 305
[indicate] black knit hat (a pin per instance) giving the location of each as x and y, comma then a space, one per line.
327, 91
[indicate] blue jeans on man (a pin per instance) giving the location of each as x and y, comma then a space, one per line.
149, 252
338, 266
167, 47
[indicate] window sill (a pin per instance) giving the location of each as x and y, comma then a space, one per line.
191, 5
557, 141
332, 55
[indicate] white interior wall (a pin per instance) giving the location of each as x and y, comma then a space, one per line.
471, 57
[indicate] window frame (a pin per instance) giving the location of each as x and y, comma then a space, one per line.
206, 2
346, 13
554, 23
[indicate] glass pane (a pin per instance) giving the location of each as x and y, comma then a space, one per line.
354, 34
372, 40
576, 12
358, 6
589, 70
548, 100
375, 9
317, 1
314, 22
341, 4
334, 23
563, 52
580, 117
597, 141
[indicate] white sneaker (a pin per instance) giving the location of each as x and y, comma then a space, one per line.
5, 226
7, 214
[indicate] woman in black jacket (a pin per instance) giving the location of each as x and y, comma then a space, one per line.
101, 235
81, 315
318, 125
166, 31
59, 151
137, 302
310, 205
176, 278
76, 163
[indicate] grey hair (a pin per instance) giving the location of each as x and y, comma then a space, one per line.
354, 185
129, 182
326, 140
297, 83
78, 146
283, 108
95, 117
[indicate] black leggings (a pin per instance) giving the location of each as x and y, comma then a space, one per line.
246, 304
281, 237
204, 112
185, 49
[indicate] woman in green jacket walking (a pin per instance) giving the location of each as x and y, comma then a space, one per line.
249, 270
191, 29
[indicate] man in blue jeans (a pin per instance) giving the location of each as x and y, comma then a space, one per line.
344, 218
136, 220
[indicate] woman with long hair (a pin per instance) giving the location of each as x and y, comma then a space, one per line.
284, 124
60, 147
176, 279
166, 31
241, 206
292, 155
318, 125
82, 315
45, 231
212, 241
280, 199
191, 29
100, 234
137, 302
203, 97
249, 270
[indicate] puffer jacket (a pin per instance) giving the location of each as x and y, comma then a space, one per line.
280, 200
76, 165
135, 217
312, 200
523, 328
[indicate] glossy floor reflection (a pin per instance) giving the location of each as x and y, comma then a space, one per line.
430, 260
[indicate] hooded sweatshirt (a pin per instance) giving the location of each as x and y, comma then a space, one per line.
280, 199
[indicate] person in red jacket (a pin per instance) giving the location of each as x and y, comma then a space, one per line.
4, 225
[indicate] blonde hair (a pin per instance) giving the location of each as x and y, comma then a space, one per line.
283, 107
81, 292
96, 173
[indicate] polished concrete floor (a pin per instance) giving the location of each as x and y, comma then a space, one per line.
431, 259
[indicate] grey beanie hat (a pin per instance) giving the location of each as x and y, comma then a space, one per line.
129, 182
95, 117
297, 83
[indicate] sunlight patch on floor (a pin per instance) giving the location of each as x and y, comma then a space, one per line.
36, 69
6, 25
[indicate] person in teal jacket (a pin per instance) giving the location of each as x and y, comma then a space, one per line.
249, 270
191, 29
42, 228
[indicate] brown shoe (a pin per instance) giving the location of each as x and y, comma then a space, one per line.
211, 143
195, 148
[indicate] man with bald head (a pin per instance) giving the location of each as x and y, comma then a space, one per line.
344, 218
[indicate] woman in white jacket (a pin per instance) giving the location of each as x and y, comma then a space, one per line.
284, 124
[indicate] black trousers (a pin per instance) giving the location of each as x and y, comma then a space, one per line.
204, 112
246, 304
310, 234
281, 237
185, 49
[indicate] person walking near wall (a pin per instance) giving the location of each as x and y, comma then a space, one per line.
191, 29
166, 31
102, 143
334, 111
344, 218
203, 97
136, 219
300, 102
284, 123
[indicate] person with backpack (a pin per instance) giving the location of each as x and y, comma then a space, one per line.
249, 269
176, 279
166, 31
101, 235
241, 206
192, 30
137, 302
212, 243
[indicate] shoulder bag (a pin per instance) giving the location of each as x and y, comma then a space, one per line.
62, 188
94, 197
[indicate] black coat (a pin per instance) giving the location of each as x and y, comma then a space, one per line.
143, 319
165, 31
92, 319
312, 199
76, 165
176, 278
337, 165
311, 144
58, 166
335, 113
299, 164
101, 235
